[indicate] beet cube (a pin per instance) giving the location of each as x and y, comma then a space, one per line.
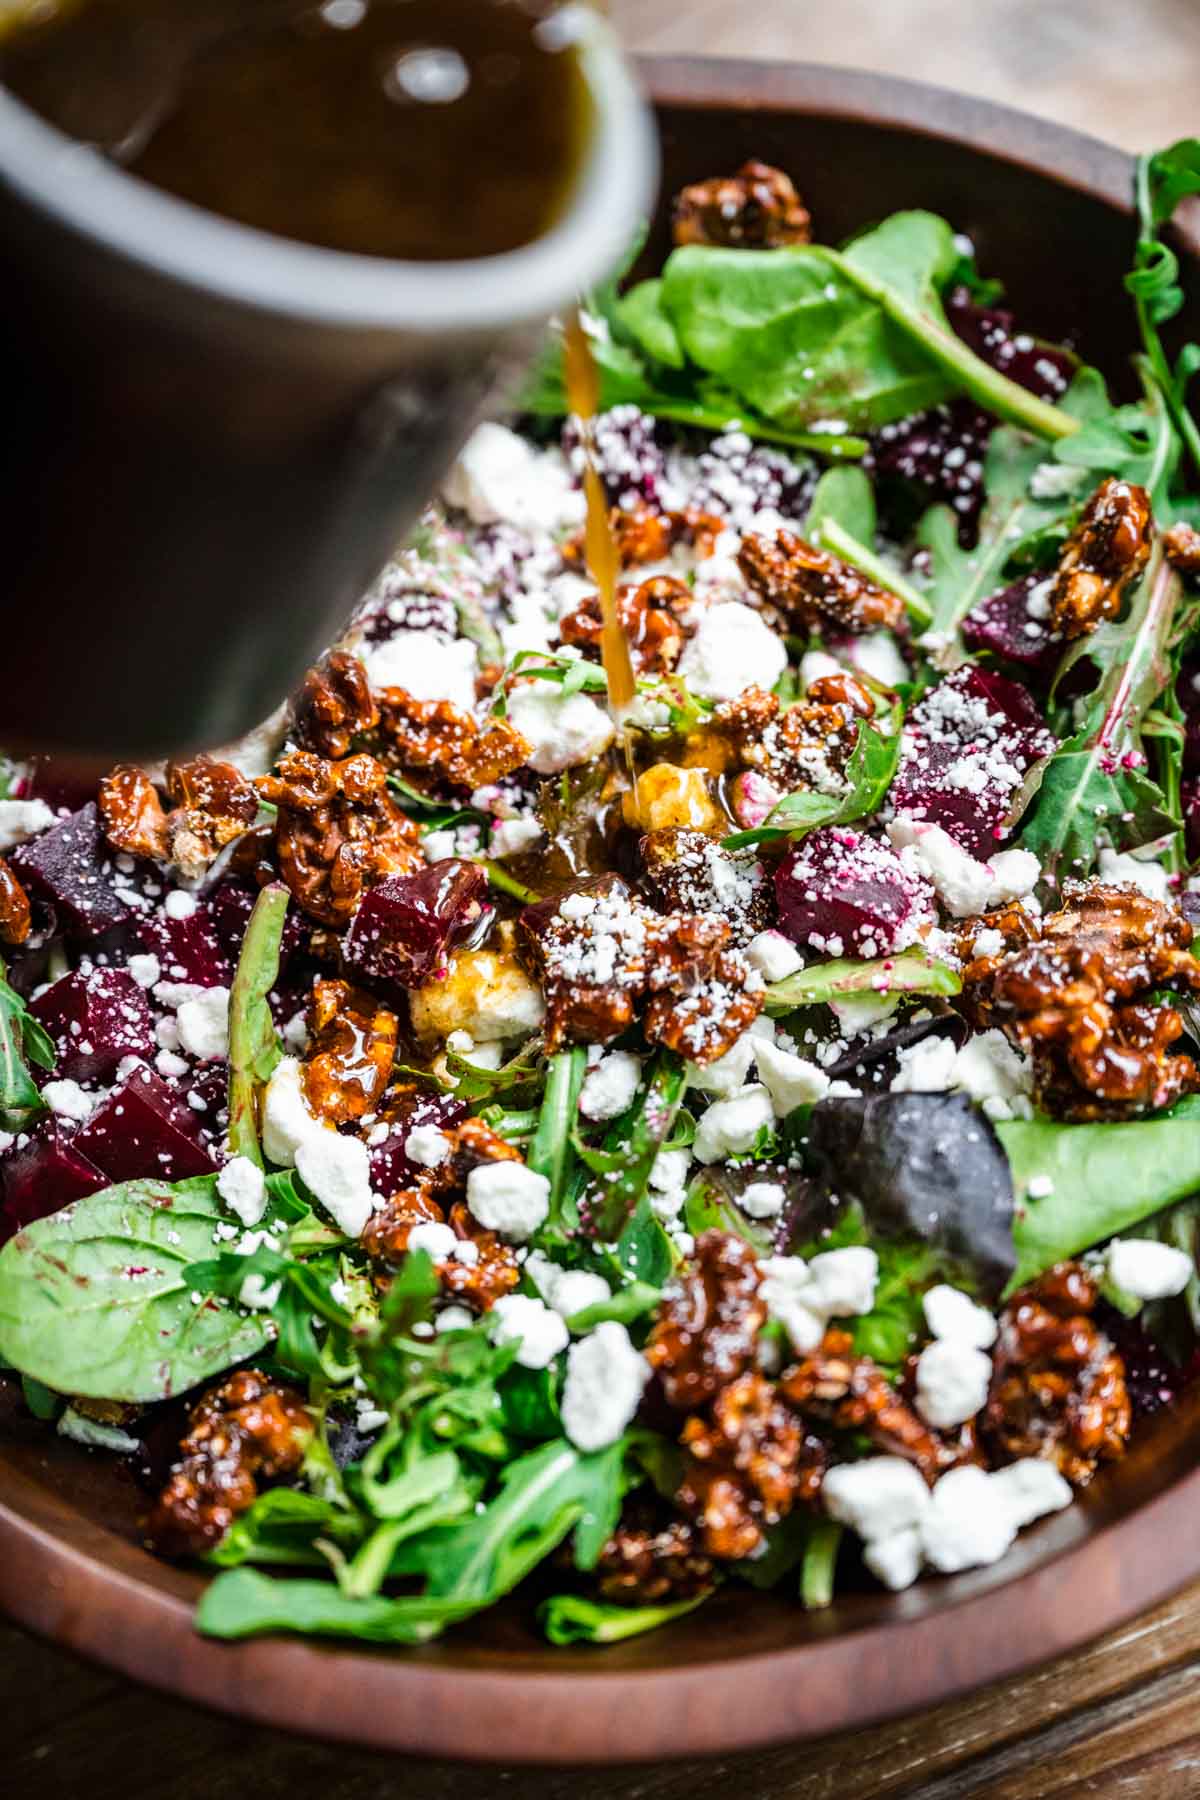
43, 1172
230, 905
95, 1020
188, 948
405, 927
968, 746
142, 1129
846, 894
391, 1168
1014, 623
68, 868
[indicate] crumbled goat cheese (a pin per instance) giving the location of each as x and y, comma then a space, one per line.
68, 1099
337, 1170
786, 1292
964, 886
926, 1067
815, 665
728, 1073
856, 1013
603, 1388
500, 478
146, 970
988, 942
538, 1332
1015, 873
609, 1088
790, 1080
427, 667
576, 1290
170, 1065
895, 1560
437, 1240
877, 655
1130, 871
1147, 1269
954, 1316
179, 904
511, 836
876, 1497
204, 1025
733, 649
952, 1382
842, 1282
454, 1318
561, 730
995, 1075
773, 955
731, 1127
243, 1187
669, 1170
1031, 1488
969, 1522
763, 1199
22, 819
508, 1198
427, 1145
286, 1120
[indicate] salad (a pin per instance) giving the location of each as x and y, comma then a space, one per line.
458, 1140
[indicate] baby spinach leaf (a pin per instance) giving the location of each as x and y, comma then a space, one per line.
846, 496
648, 324
1103, 1179
574, 1619
244, 1603
911, 972
21, 1040
253, 1046
867, 778
644, 1251
833, 536
95, 1300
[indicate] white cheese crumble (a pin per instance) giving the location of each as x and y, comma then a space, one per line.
146, 970
511, 836
538, 1332
427, 1145
733, 649
437, 1240
730, 1127
603, 1388
337, 1170
561, 731
763, 1199
790, 1080
952, 1382
995, 1075
773, 955
953, 1315
204, 1025
22, 819
243, 1187
1130, 871
499, 478
68, 1099
425, 666
609, 1087
179, 904
1146, 1269
508, 1198
926, 1067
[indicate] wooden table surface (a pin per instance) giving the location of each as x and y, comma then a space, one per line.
1117, 1720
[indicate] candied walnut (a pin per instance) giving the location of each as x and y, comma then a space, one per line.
335, 705
841, 690
351, 1051
652, 1557
16, 918
850, 1392
436, 738
494, 1272
649, 616
706, 1022
1182, 545
687, 872
1058, 1388
386, 1233
809, 587
758, 208
746, 1466
337, 831
134, 821
1103, 556
471, 1145
246, 1429
1077, 998
212, 804
1015, 925
643, 535
708, 1323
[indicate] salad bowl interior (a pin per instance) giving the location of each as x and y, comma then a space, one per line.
1050, 213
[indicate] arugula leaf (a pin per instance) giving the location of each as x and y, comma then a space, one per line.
1105, 1178
280, 1526
95, 1300
631, 1144
22, 1040
253, 1046
912, 972
1095, 786
710, 1207
868, 776
305, 1289
574, 1619
550, 1153
1163, 179
834, 537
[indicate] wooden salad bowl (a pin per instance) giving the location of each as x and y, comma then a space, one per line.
1050, 212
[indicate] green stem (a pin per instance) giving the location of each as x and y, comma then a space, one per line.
253, 1046
550, 1154
835, 537
819, 1567
508, 884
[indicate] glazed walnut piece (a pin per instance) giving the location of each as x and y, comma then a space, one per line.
1076, 997
212, 804
746, 1465
799, 747
337, 831
1103, 556
758, 208
15, 915
652, 1557
650, 617
708, 1324
644, 535
245, 1429
351, 1051
836, 1386
435, 738
335, 705
809, 587
1058, 1388
1182, 545
134, 821
686, 872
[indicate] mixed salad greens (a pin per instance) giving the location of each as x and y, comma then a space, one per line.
461, 1140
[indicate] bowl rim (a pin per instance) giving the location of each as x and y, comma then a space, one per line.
67, 1577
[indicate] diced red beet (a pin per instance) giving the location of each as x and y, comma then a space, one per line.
142, 1129
188, 948
1190, 795
68, 869
967, 748
58, 784
205, 1094
846, 894
405, 926
992, 333
1187, 692
43, 1173
95, 1020
391, 1169
230, 904
1012, 623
